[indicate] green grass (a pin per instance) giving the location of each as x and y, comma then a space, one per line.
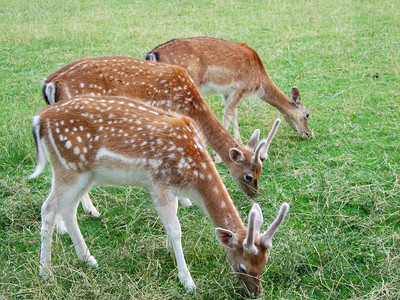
341, 237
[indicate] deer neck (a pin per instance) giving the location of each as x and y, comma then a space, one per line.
217, 137
274, 96
218, 205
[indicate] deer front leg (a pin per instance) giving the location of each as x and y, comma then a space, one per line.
167, 209
231, 114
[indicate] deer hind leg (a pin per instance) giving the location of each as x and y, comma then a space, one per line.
185, 202
60, 225
88, 206
49, 212
167, 208
67, 207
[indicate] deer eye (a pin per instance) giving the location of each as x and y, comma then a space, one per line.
307, 115
248, 177
242, 268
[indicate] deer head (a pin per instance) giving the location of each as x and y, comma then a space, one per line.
246, 169
247, 253
297, 116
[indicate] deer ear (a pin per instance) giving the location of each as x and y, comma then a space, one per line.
226, 238
296, 97
254, 138
236, 155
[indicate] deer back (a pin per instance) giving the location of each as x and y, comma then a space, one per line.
210, 60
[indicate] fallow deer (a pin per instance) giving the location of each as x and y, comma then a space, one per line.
116, 140
235, 71
165, 86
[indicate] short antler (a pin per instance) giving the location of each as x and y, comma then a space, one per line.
254, 138
266, 238
261, 152
271, 135
255, 221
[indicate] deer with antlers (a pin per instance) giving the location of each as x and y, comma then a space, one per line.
167, 87
120, 141
235, 71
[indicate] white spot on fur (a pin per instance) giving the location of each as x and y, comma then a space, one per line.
155, 163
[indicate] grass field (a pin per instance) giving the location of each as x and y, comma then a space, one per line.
341, 237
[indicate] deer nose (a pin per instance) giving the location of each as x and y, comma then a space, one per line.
255, 291
253, 194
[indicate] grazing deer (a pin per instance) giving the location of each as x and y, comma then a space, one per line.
167, 87
235, 71
116, 140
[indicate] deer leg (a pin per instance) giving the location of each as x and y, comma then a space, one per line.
235, 126
68, 206
231, 114
48, 213
167, 208
88, 206
60, 225
185, 202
